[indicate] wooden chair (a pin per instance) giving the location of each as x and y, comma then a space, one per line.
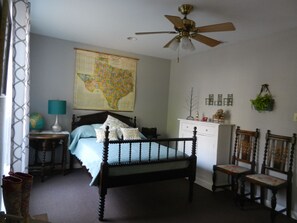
242, 161
276, 171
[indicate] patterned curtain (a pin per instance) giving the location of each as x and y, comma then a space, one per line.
20, 86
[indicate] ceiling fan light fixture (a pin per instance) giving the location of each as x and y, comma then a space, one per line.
174, 44
186, 31
192, 47
187, 44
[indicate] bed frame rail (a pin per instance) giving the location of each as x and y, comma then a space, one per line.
105, 181
179, 145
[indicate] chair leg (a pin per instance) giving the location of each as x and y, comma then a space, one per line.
214, 178
234, 184
242, 192
289, 200
235, 187
262, 195
273, 205
252, 191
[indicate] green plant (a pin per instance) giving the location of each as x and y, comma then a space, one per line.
263, 102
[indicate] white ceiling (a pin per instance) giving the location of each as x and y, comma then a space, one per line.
108, 23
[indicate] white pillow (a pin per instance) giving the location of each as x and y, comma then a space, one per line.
114, 123
100, 135
130, 133
96, 126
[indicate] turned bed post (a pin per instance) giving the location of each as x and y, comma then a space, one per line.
193, 157
134, 122
103, 176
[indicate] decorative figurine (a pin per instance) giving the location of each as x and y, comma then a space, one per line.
197, 116
219, 116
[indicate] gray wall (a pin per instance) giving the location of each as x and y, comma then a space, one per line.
52, 77
241, 69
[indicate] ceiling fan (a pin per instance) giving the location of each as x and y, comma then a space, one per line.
186, 30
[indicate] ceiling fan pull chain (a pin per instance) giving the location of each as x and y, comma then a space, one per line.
178, 54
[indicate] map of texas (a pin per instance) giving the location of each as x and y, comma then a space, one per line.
115, 83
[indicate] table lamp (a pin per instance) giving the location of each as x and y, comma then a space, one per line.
56, 107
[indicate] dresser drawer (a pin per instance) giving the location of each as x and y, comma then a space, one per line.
206, 130
201, 129
186, 127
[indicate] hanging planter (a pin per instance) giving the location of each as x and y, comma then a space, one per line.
264, 100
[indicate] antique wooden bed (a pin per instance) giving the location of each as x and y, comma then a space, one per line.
155, 167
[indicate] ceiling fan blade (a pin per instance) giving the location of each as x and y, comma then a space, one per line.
228, 26
206, 40
168, 44
176, 21
160, 32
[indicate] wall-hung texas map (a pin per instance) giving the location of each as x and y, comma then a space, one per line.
104, 81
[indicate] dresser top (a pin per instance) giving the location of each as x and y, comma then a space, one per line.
202, 123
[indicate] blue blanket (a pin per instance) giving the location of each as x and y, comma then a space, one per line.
89, 152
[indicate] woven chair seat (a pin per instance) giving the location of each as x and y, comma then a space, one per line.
267, 179
233, 168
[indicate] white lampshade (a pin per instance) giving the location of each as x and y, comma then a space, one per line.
174, 44
187, 44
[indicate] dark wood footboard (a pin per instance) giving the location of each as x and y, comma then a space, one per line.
106, 181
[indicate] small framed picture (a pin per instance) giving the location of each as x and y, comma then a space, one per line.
225, 101
220, 100
211, 101
230, 100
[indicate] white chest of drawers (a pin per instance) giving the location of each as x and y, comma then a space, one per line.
213, 147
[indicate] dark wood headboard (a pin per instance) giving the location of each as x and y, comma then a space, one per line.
100, 117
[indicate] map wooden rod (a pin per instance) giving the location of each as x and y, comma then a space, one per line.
93, 51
